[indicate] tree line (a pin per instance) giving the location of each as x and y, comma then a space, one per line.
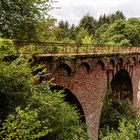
108, 29
30, 21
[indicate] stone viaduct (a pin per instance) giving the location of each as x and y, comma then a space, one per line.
86, 80
88, 73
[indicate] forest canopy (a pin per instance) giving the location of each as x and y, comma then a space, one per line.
30, 21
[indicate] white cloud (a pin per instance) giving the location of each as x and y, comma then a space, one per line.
74, 10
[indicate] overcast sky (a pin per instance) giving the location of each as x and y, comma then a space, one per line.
74, 10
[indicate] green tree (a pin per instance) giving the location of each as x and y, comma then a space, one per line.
6, 48
99, 34
62, 31
88, 23
15, 85
133, 31
113, 112
46, 29
18, 19
122, 32
73, 32
116, 16
128, 130
47, 116
103, 19
81, 35
24, 125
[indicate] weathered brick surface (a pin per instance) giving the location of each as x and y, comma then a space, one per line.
89, 80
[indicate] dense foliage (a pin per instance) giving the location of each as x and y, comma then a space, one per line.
19, 18
6, 48
108, 29
30, 111
116, 114
127, 130
29, 21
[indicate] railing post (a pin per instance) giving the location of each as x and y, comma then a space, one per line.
78, 49
94, 49
70, 49
17, 50
66, 47
108, 49
36, 48
86, 48
52, 49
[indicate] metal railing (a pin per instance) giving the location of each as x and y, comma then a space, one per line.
54, 49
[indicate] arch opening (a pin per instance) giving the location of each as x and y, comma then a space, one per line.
121, 86
71, 99
117, 103
134, 60
101, 64
120, 62
112, 62
63, 70
85, 66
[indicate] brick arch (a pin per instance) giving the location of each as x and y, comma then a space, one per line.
112, 62
121, 85
63, 69
85, 65
71, 99
101, 64
120, 61
134, 60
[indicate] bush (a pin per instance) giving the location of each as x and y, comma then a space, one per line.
6, 48
125, 42
24, 125
30, 111
16, 81
128, 130
114, 110
46, 116
64, 120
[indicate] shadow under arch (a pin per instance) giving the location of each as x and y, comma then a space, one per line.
115, 104
85, 64
64, 69
112, 62
71, 99
101, 64
121, 86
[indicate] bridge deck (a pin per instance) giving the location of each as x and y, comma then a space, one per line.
43, 49
85, 54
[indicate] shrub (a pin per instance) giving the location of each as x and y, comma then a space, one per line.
6, 48
127, 130
114, 110
30, 111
